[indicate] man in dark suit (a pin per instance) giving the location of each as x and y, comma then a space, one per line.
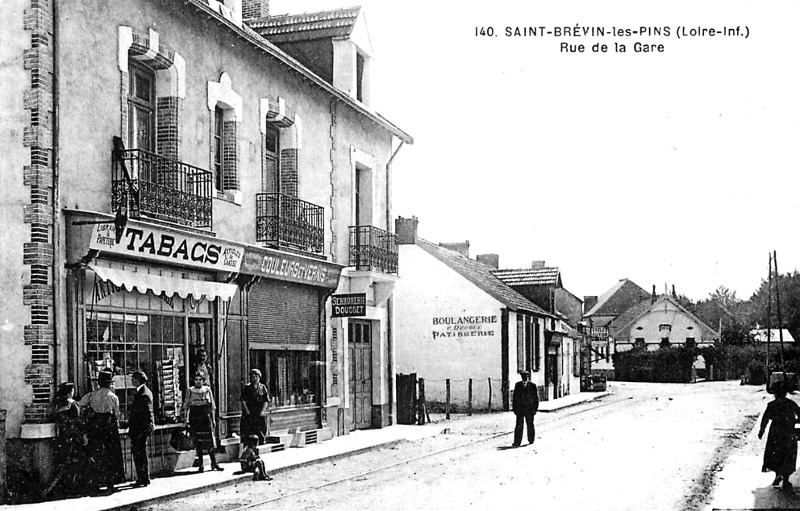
140, 426
525, 406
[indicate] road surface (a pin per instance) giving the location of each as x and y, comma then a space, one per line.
645, 446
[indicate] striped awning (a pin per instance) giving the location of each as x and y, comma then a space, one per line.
144, 282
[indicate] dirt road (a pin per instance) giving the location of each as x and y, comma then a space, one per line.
645, 446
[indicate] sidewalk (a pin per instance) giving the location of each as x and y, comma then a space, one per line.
188, 481
742, 486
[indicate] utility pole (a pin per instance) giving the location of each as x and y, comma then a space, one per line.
769, 316
778, 306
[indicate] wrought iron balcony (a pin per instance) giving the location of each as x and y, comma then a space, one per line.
373, 249
286, 221
150, 185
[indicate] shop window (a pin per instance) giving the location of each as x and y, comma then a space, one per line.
291, 377
151, 343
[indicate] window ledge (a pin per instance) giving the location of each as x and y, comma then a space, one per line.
232, 196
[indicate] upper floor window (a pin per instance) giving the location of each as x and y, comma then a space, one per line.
639, 343
218, 147
360, 77
690, 342
141, 108
271, 178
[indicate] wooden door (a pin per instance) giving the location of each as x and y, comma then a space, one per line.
360, 351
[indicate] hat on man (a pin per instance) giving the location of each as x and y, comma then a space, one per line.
64, 389
255, 371
105, 376
140, 375
524, 372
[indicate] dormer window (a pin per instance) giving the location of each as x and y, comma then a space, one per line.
360, 77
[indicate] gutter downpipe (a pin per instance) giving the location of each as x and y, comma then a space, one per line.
57, 266
390, 301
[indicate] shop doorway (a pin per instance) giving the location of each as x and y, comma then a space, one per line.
360, 351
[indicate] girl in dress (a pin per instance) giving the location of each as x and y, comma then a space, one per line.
200, 410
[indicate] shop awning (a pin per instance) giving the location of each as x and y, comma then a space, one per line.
144, 282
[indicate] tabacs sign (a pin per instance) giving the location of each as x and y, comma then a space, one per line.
348, 306
168, 247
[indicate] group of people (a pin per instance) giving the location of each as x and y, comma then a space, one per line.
88, 450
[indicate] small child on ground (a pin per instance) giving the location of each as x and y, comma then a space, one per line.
251, 462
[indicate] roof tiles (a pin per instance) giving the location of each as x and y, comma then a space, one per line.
530, 276
307, 26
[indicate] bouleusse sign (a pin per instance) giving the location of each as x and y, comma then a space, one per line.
350, 305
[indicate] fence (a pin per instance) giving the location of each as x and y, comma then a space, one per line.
417, 397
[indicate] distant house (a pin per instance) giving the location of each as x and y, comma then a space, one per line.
543, 286
455, 320
760, 335
658, 323
598, 315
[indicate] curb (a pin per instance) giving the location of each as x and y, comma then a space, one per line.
247, 476
595, 397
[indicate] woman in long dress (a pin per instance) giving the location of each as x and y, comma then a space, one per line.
200, 408
70, 449
102, 428
780, 454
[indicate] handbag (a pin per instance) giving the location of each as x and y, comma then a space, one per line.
180, 440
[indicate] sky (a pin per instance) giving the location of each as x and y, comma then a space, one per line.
668, 168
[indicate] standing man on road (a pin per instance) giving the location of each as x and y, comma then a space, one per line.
525, 406
140, 426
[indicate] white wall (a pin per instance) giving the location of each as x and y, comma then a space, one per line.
428, 289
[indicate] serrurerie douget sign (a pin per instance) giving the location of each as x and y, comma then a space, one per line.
348, 305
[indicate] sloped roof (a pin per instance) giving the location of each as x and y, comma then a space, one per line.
530, 276
760, 335
481, 276
307, 26
628, 316
618, 299
262, 44
624, 330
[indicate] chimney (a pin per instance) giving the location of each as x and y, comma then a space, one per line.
673, 291
654, 296
462, 247
537, 264
406, 230
588, 303
492, 260
255, 9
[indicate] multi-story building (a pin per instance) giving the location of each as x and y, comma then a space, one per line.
568, 355
172, 180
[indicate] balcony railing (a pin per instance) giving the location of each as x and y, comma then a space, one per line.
373, 249
160, 187
286, 221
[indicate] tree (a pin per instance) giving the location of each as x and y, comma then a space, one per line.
788, 285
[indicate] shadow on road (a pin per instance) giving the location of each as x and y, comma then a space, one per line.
776, 498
